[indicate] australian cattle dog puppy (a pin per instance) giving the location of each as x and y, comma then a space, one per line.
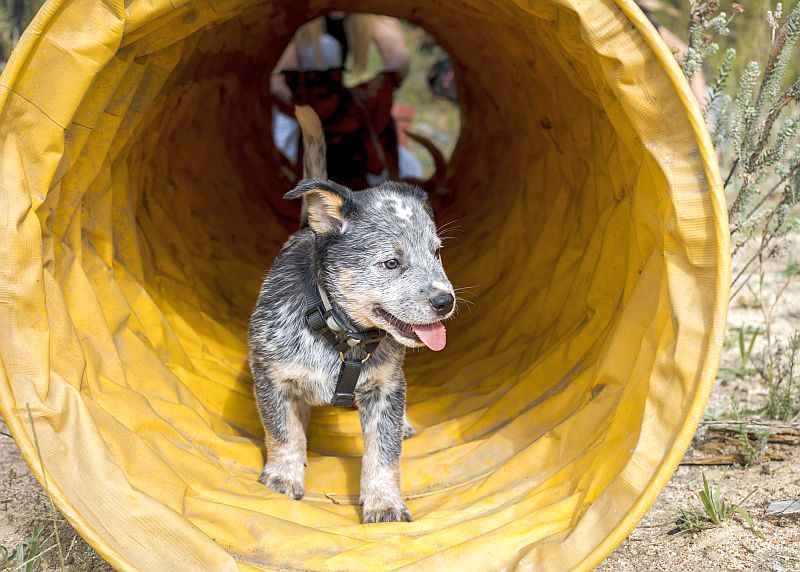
344, 298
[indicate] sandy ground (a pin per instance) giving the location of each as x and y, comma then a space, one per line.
733, 547
653, 545
24, 506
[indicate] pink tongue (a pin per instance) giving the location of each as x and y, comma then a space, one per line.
432, 335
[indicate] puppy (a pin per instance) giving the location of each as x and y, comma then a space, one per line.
344, 298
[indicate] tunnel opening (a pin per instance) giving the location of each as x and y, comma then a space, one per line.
223, 193
535, 352
590, 230
350, 67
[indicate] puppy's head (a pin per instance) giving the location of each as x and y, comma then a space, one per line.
379, 254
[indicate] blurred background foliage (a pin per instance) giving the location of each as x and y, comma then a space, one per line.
749, 32
15, 15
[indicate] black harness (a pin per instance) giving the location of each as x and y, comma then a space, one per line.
332, 323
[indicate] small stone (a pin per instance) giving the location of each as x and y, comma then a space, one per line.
783, 507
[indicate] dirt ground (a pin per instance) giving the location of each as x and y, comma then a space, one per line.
25, 506
653, 545
732, 547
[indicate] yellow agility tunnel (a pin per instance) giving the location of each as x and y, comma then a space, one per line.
141, 206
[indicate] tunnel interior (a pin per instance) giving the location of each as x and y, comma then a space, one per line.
587, 234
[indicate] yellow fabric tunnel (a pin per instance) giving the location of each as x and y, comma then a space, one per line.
141, 205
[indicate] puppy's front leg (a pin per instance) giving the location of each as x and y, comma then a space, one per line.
284, 417
381, 411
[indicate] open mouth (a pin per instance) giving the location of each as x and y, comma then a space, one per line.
404, 329
432, 335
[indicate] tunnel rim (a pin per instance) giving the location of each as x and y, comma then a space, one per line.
13, 415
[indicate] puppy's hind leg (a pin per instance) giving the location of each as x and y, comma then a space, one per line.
283, 416
408, 429
381, 413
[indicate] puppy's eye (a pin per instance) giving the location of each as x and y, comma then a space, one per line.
391, 264
438, 253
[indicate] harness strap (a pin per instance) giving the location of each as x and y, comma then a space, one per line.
345, 393
331, 323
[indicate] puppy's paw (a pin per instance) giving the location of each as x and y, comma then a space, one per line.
408, 431
386, 514
289, 487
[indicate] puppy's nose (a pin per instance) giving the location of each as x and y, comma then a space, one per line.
443, 303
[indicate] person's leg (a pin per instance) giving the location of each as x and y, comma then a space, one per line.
285, 134
408, 164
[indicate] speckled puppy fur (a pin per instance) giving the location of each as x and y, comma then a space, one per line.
376, 254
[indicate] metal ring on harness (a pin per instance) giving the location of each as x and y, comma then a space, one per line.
369, 355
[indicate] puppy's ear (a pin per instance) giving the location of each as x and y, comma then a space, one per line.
328, 204
429, 208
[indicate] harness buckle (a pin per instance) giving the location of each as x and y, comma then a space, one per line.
350, 339
345, 400
366, 337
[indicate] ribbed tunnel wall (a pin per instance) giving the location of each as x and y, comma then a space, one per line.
141, 206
